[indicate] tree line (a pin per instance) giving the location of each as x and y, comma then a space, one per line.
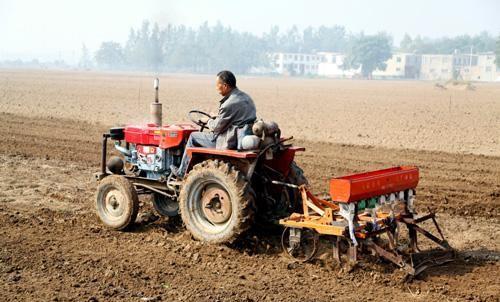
482, 42
208, 49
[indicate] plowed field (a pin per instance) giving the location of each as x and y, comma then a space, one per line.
53, 248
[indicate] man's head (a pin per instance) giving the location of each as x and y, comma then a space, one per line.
226, 81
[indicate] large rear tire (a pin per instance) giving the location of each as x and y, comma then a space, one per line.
117, 203
296, 177
216, 202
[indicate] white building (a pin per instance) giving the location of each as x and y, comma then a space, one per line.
467, 67
295, 63
436, 67
331, 65
480, 67
400, 66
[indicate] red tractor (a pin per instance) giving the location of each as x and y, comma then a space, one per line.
222, 190
225, 191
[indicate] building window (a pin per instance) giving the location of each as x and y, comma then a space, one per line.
398, 59
488, 69
444, 70
398, 69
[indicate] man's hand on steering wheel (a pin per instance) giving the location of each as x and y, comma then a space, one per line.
200, 118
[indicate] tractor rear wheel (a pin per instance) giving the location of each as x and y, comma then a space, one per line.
117, 203
296, 177
216, 202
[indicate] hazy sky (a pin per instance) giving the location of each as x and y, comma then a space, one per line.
53, 29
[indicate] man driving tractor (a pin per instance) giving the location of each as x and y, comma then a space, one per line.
234, 120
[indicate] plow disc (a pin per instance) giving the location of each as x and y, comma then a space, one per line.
424, 260
300, 244
414, 260
368, 211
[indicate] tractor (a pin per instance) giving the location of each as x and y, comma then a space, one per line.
222, 193
225, 192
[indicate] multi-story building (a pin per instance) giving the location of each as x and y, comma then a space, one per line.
475, 67
400, 66
467, 67
464, 66
295, 63
487, 69
436, 67
331, 65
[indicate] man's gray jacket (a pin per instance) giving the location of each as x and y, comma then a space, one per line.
235, 119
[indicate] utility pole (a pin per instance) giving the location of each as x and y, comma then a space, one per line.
470, 59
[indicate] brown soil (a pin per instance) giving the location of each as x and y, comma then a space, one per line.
393, 114
53, 248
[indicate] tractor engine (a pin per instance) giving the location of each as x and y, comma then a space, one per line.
151, 160
149, 150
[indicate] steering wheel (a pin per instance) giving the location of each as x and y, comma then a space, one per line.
196, 116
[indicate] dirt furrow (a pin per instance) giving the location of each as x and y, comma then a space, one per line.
52, 247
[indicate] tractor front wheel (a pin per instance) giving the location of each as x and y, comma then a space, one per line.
117, 203
216, 202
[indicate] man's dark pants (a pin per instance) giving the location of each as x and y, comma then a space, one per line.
196, 139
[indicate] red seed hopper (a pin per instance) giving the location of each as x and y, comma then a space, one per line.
356, 187
365, 213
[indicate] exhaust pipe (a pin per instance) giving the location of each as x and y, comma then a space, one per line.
155, 108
